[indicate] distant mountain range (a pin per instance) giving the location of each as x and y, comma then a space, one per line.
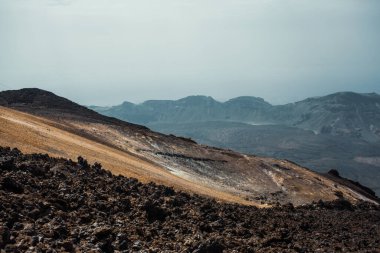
344, 113
340, 131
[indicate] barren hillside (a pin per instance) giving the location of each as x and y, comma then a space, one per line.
132, 150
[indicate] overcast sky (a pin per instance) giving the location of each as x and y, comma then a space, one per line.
103, 52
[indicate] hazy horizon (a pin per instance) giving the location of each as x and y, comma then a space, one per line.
98, 52
5, 87
225, 100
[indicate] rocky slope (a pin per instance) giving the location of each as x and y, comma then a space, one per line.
355, 158
57, 205
136, 151
338, 131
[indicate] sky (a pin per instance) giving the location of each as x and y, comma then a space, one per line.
103, 52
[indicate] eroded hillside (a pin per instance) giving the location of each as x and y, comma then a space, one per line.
136, 151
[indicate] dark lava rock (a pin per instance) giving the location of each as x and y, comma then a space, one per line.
102, 232
154, 212
210, 246
6, 163
4, 236
57, 205
10, 185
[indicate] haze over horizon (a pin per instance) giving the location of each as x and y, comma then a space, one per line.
98, 52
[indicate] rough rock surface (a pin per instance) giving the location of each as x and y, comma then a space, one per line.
57, 205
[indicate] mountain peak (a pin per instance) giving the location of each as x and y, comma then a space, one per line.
42, 102
346, 97
248, 100
197, 99
127, 104
33, 97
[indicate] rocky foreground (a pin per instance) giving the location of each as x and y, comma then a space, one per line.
57, 205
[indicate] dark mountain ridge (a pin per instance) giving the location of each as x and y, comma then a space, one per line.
342, 113
35, 98
42, 102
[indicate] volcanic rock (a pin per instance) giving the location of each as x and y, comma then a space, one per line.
90, 210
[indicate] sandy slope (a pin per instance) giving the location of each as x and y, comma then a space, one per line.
34, 134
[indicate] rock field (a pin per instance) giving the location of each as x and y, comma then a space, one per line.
58, 205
